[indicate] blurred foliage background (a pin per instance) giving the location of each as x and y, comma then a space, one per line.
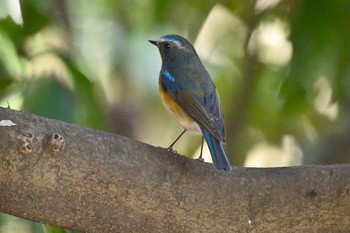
282, 69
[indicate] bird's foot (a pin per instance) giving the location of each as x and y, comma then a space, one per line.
200, 158
170, 148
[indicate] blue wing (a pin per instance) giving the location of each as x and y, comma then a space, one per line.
198, 97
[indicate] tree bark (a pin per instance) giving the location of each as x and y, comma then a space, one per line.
91, 181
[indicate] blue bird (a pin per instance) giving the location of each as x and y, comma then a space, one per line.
190, 95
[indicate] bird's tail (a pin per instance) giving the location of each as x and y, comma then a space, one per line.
217, 152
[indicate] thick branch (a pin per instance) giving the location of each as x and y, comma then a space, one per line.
87, 180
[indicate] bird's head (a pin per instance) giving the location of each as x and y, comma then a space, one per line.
175, 47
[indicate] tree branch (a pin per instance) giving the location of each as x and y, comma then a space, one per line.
91, 181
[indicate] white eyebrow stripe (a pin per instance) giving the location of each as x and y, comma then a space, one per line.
176, 42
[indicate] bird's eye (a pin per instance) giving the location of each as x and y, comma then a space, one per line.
167, 45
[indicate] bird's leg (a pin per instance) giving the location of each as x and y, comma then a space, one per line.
201, 154
170, 148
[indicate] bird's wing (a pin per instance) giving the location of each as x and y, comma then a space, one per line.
198, 98
205, 110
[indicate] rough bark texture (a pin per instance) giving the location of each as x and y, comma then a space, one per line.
91, 181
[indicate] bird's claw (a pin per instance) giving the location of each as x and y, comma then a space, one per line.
171, 150
200, 158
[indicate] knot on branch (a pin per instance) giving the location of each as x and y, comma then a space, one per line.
56, 143
311, 194
25, 146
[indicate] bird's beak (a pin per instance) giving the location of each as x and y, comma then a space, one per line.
154, 42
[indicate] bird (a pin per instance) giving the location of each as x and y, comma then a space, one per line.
190, 96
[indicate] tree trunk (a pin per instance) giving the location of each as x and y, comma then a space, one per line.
86, 180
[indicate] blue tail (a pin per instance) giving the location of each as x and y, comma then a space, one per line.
217, 152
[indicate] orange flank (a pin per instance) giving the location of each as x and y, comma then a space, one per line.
177, 112
168, 101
